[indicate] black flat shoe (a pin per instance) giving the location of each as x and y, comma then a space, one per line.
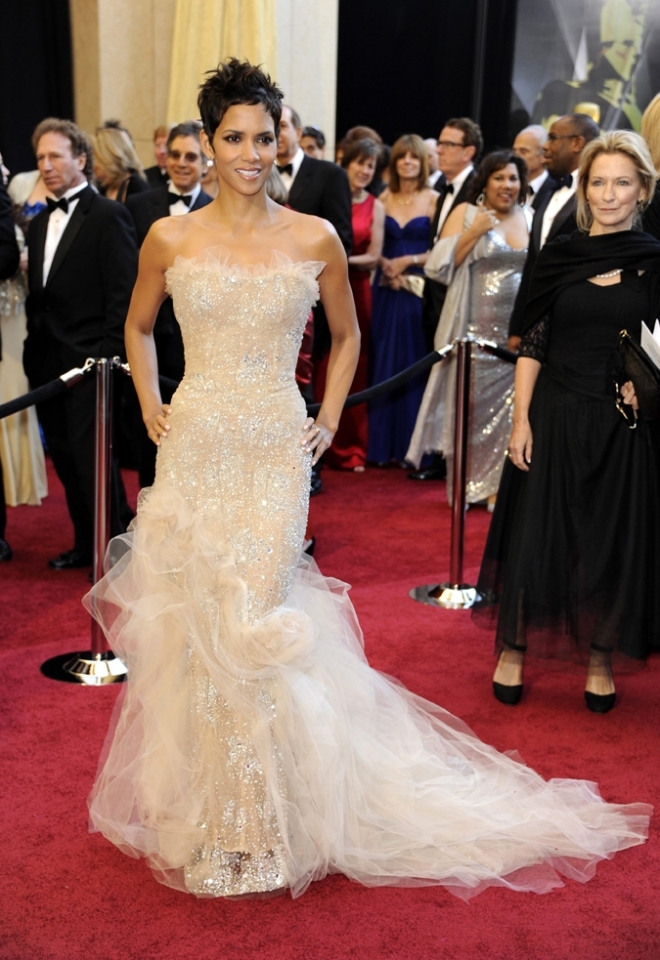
70, 560
508, 695
599, 702
5, 551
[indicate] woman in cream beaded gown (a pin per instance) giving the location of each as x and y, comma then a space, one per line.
254, 749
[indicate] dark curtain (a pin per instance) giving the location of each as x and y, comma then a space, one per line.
408, 67
36, 73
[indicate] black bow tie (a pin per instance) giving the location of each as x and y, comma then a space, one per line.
173, 198
566, 181
61, 204
449, 188
286, 168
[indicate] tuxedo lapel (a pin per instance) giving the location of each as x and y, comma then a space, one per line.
461, 196
38, 229
71, 232
537, 222
562, 217
300, 182
203, 199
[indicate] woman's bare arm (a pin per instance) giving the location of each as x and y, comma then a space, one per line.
148, 294
369, 260
337, 300
520, 444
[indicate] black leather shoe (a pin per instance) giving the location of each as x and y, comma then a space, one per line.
71, 560
5, 551
431, 473
599, 702
315, 485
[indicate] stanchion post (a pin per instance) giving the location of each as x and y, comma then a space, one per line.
455, 594
99, 665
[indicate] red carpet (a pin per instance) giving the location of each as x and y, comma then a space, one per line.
67, 895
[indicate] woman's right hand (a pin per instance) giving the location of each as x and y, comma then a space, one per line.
157, 425
484, 221
520, 445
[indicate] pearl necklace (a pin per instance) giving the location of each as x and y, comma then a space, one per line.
612, 273
361, 197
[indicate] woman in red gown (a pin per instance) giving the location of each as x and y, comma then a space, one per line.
349, 447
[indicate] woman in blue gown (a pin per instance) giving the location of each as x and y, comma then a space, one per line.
397, 339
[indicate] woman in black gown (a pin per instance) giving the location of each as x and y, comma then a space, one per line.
574, 547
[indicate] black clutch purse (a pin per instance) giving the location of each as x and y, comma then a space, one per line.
630, 362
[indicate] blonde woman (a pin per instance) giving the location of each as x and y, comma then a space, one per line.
117, 167
651, 133
573, 552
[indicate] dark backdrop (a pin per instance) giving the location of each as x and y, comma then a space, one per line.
406, 67
35, 73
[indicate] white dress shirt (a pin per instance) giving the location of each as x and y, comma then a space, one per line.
557, 201
457, 184
57, 223
535, 185
179, 208
295, 161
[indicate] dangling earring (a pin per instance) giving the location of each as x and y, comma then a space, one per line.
481, 199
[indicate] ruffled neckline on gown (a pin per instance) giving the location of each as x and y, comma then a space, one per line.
219, 258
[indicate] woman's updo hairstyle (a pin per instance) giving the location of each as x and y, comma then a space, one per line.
233, 83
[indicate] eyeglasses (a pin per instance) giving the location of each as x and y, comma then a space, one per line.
449, 143
564, 136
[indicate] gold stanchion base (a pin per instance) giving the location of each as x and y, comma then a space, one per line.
448, 596
94, 670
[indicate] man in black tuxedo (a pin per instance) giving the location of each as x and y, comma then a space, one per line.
183, 193
319, 188
157, 176
82, 267
9, 257
555, 215
459, 145
529, 145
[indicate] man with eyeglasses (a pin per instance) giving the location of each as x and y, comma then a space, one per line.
182, 194
458, 148
555, 216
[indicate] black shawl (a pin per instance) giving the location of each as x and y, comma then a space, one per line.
569, 259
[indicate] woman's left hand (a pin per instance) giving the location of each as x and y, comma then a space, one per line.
392, 268
629, 396
315, 439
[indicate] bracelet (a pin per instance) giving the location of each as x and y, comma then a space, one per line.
415, 258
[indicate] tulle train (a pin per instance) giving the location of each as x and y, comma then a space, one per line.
257, 756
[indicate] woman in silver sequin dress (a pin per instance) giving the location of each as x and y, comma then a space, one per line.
480, 256
255, 749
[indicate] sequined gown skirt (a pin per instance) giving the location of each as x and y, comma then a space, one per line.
253, 749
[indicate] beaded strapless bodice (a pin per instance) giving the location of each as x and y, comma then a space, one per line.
242, 325
234, 449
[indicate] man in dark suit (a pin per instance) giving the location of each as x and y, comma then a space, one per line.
319, 188
555, 215
157, 176
183, 193
459, 145
529, 145
82, 267
9, 256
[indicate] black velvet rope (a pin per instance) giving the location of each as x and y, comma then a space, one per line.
34, 396
421, 366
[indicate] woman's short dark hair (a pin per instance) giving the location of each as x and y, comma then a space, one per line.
409, 143
360, 150
490, 164
236, 82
